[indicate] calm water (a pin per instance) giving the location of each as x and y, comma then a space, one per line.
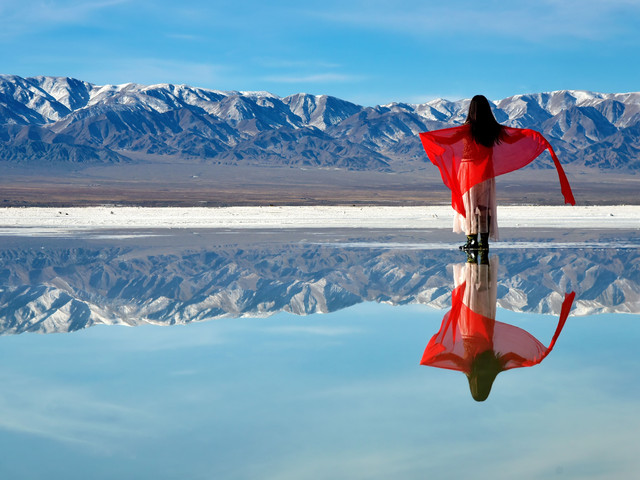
298, 357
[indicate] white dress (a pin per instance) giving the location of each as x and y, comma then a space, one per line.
481, 208
480, 200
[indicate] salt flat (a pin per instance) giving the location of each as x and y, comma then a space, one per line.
17, 221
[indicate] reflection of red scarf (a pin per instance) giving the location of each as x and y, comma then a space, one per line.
516, 347
518, 147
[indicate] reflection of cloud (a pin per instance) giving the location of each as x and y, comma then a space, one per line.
531, 419
320, 330
158, 338
390, 462
554, 419
66, 414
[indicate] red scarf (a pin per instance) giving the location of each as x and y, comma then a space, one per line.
516, 347
518, 147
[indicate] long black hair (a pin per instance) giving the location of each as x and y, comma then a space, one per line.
485, 129
485, 367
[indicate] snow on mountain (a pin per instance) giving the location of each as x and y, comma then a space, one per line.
24, 102
103, 122
579, 126
70, 92
320, 111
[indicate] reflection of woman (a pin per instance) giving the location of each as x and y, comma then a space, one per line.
471, 156
470, 340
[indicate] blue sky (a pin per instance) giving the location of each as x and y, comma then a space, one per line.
369, 52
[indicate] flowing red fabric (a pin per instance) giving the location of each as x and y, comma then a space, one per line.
516, 347
452, 148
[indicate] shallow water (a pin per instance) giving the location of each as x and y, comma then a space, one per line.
271, 357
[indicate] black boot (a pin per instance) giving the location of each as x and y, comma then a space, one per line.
484, 241
484, 257
472, 256
472, 243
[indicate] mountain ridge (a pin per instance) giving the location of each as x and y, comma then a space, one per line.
65, 120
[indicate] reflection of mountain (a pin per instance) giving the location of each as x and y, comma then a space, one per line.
59, 289
604, 281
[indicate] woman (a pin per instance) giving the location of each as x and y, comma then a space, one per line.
470, 156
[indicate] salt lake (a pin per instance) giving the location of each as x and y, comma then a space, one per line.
296, 353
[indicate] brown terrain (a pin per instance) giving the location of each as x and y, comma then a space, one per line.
192, 184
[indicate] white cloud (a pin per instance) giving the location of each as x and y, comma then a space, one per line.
19, 17
184, 36
271, 62
314, 78
545, 20
148, 71
428, 97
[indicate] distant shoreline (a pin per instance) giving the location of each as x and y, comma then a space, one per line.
18, 220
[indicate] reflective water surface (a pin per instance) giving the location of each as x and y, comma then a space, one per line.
298, 355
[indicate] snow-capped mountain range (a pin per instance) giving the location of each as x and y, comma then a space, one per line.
58, 120
60, 289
